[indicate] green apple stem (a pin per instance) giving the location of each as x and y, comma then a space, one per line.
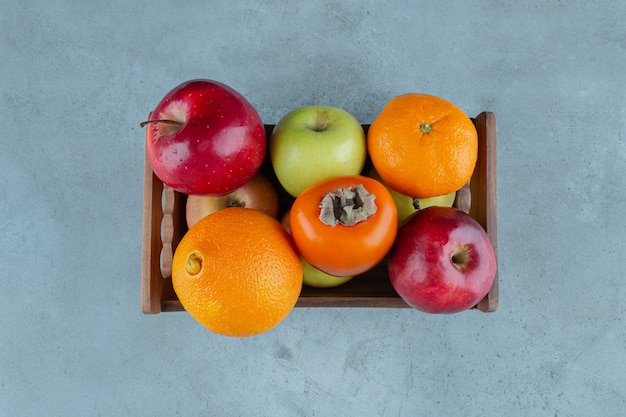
347, 206
166, 121
321, 122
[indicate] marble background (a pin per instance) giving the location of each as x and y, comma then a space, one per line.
76, 78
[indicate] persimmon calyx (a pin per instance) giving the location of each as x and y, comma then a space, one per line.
347, 206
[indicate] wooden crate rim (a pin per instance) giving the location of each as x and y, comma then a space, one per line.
163, 228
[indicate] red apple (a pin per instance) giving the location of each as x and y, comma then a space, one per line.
442, 261
258, 193
205, 138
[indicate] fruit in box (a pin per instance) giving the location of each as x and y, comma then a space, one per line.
314, 143
423, 146
156, 296
345, 225
258, 193
227, 279
442, 261
205, 138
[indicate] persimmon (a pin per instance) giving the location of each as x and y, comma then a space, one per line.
344, 225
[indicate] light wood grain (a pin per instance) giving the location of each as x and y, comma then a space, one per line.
151, 278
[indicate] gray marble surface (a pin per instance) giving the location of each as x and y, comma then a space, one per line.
76, 78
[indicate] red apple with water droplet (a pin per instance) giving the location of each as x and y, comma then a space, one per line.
442, 261
205, 138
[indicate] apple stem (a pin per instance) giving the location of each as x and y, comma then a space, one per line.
235, 203
166, 121
321, 122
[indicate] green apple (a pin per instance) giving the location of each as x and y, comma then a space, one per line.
312, 276
407, 205
314, 143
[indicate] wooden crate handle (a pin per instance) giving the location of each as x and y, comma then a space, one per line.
167, 253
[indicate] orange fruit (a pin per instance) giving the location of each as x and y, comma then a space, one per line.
423, 146
237, 272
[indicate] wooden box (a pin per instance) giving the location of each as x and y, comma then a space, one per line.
164, 225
